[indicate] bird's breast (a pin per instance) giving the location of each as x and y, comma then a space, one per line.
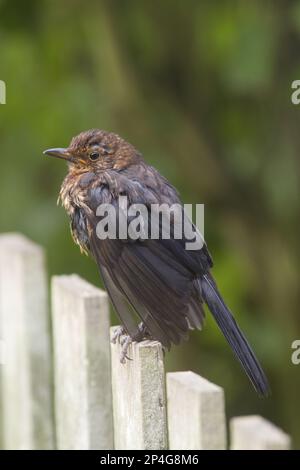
73, 191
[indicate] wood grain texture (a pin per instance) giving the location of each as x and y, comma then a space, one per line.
26, 400
82, 365
256, 433
139, 397
196, 412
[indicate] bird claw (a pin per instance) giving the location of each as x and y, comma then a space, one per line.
121, 336
125, 342
119, 332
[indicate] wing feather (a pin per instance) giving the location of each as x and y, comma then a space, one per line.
148, 279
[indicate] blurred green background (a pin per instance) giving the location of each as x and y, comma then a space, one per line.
202, 89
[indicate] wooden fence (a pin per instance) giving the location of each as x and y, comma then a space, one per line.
62, 384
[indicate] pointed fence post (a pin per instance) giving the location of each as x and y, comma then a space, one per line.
26, 382
83, 408
196, 413
139, 397
256, 433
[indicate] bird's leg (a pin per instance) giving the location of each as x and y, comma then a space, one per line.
145, 334
142, 333
125, 340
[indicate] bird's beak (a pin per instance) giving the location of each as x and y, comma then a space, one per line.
59, 153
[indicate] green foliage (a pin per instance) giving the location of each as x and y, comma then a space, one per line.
203, 90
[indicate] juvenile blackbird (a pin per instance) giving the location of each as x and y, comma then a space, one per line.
159, 282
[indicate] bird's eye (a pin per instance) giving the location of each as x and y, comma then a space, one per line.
94, 156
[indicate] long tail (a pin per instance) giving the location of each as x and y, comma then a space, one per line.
233, 334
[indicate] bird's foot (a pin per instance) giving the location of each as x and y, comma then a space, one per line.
119, 332
125, 341
142, 333
121, 336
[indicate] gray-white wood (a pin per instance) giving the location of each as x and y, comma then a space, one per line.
26, 401
196, 412
83, 405
139, 397
256, 433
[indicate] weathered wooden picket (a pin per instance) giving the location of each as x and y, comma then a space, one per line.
62, 384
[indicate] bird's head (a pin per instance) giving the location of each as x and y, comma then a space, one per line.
96, 150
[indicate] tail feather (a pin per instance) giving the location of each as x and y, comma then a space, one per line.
234, 336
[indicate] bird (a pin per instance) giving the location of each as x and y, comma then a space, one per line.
157, 287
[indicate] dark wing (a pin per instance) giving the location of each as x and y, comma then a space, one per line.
159, 281
153, 280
